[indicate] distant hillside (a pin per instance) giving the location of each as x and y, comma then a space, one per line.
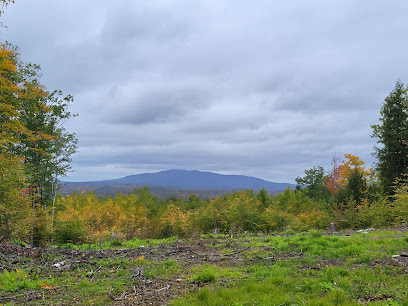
196, 179
174, 182
163, 192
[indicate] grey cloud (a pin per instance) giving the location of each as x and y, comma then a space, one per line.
158, 106
137, 22
266, 89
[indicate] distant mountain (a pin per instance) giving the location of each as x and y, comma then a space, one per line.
192, 179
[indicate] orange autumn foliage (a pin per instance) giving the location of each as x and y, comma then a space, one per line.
349, 165
339, 175
333, 179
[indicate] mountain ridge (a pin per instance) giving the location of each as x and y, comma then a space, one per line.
192, 179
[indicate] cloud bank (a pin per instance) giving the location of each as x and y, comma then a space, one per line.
261, 89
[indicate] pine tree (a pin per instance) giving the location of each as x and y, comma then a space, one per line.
392, 134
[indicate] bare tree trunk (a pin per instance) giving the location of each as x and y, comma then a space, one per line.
53, 208
32, 223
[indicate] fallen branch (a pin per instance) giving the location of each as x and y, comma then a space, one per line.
183, 250
122, 296
17, 295
237, 252
267, 258
165, 288
174, 252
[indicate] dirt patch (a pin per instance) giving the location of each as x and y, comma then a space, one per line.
144, 291
373, 298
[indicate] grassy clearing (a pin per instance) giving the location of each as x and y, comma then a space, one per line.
315, 269
308, 268
288, 283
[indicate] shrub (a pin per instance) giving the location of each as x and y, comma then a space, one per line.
15, 280
72, 231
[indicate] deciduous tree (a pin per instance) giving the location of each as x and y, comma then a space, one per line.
332, 180
31, 128
351, 164
313, 184
12, 176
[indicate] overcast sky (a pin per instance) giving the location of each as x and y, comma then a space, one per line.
260, 88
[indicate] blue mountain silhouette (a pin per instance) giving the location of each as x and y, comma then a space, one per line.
198, 179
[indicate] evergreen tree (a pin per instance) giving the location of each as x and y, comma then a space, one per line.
355, 190
392, 134
262, 196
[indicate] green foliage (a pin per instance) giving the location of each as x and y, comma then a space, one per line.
276, 219
72, 231
355, 190
37, 134
16, 280
131, 244
400, 204
210, 273
315, 233
243, 212
94, 219
41, 229
376, 214
359, 246
263, 197
170, 263
205, 275
313, 184
392, 134
14, 205
35, 148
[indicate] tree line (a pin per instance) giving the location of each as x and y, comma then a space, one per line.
35, 147
89, 218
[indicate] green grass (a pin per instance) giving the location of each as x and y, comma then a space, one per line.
340, 270
353, 248
210, 273
204, 236
252, 294
118, 244
308, 268
286, 282
162, 269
